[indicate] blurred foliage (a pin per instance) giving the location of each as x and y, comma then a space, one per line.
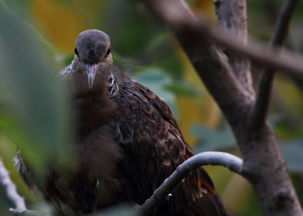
292, 152
29, 93
209, 139
37, 39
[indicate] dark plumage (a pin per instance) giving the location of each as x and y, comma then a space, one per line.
127, 142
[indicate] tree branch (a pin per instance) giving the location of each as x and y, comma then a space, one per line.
260, 109
178, 21
227, 160
209, 61
232, 18
283, 60
263, 164
11, 191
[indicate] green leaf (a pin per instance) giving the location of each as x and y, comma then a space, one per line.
211, 139
183, 88
33, 111
292, 152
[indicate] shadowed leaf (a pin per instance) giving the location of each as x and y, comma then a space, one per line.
33, 112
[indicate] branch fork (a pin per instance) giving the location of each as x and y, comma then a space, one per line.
228, 81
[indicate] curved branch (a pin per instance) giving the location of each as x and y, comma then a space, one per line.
260, 109
227, 160
11, 191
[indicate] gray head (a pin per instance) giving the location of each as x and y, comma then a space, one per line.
93, 47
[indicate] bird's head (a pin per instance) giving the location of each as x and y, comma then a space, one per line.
93, 52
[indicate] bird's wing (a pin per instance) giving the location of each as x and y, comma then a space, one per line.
148, 133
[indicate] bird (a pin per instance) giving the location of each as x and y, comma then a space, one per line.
127, 143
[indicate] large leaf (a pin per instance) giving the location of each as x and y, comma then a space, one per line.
33, 112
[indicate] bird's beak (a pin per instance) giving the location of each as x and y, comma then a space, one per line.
91, 73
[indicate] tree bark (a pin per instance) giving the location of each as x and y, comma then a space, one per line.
233, 19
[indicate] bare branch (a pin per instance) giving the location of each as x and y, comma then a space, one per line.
232, 18
211, 64
227, 160
283, 60
11, 191
263, 164
260, 109
179, 22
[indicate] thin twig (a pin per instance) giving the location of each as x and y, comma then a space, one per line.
260, 109
11, 191
206, 158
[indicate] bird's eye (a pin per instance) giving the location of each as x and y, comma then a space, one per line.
76, 52
107, 53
